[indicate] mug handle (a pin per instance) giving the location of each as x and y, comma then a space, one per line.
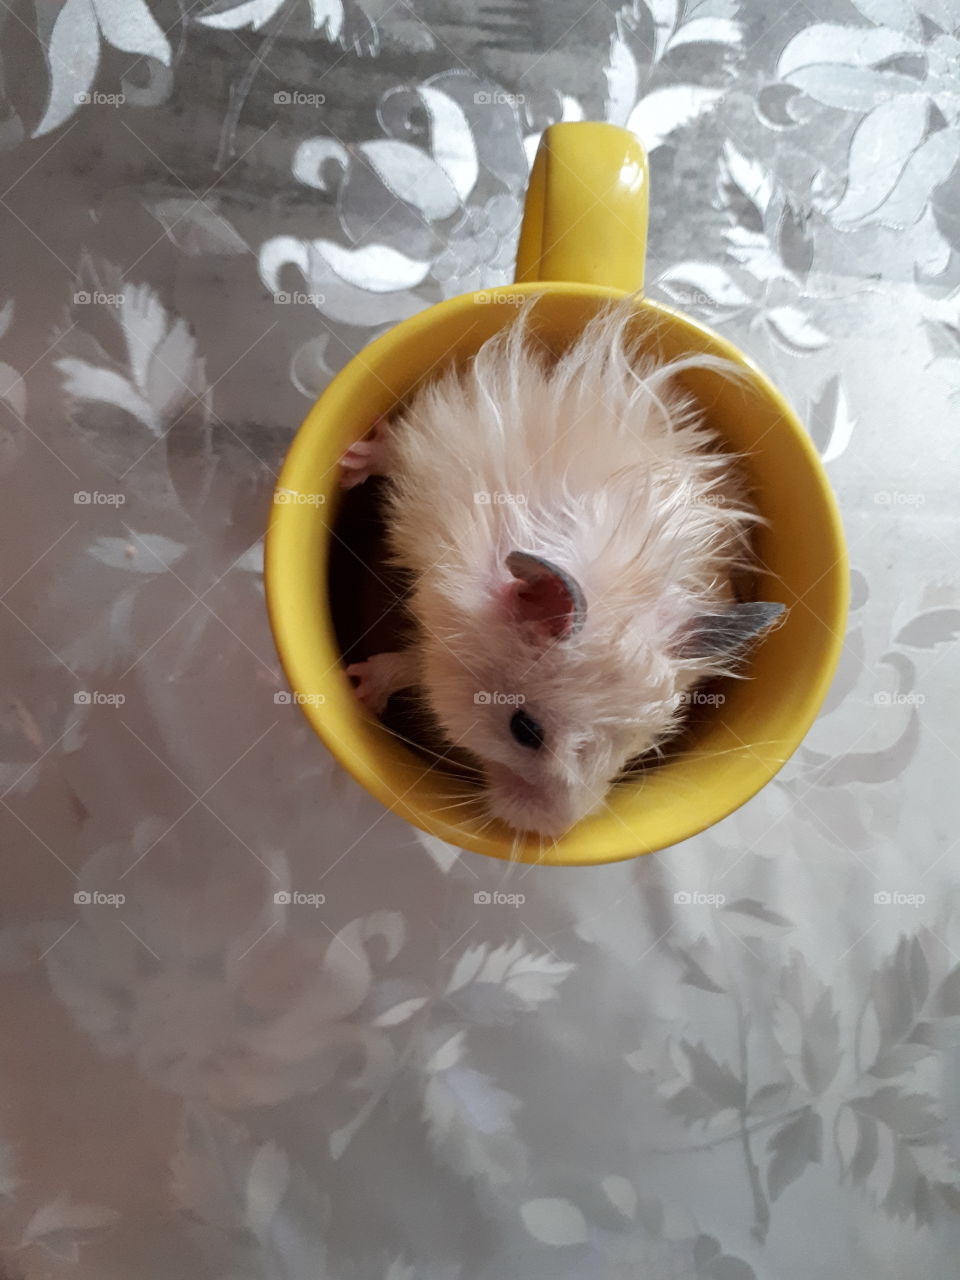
585, 215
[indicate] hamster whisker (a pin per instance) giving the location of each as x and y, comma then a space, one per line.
518, 839
443, 757
458, 804
725, 751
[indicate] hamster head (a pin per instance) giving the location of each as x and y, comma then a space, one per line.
553, 698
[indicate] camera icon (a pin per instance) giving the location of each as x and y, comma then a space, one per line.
82, 99
282, 298
282, 98
82, 898
482, 498
481, 299
282, 898
482, 699
482, 897
82, 298
282, 698
882, 899
82, 498
82, 698
482, 98
682, 898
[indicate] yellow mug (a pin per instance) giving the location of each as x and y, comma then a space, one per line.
582, 243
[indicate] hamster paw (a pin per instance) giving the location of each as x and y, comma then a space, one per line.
380, 676
365, 458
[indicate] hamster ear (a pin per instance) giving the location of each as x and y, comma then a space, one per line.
714, 635
545, 596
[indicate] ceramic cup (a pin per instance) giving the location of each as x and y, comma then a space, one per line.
582, 243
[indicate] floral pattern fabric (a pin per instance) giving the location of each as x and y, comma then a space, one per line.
258, 1027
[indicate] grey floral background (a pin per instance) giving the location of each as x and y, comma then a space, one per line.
253, 1025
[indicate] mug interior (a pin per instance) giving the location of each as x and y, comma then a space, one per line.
733, 750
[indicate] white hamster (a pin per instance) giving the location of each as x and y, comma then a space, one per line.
572, 531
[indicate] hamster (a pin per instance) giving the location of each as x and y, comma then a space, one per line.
572, 531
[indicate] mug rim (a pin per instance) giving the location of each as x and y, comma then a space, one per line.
283, 613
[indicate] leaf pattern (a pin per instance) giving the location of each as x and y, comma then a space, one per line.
553, 1221
468, 1117
326, 15
514, 978
73, 51
707, 1087
791, 1149
807, 1027
897, 157
59, 1227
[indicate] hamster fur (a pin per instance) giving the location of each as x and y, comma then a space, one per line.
623, 523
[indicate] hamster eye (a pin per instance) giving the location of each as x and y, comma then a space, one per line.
526, 730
